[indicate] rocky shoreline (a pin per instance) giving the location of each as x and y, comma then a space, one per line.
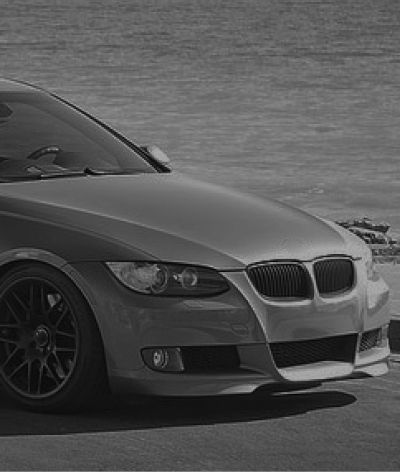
385, 247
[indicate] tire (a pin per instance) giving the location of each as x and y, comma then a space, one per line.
51, 352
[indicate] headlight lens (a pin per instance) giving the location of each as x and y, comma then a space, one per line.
168, 279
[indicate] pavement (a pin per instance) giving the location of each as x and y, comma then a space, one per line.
343, 425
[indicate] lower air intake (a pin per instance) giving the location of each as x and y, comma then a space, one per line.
210, 358
369, 339
337, 349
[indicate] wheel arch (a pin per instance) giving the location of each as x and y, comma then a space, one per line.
16, 257
20, 257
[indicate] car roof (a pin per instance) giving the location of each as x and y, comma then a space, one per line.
8, 85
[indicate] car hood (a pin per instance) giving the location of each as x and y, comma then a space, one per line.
170, 217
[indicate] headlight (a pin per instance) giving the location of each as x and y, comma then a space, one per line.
168, 279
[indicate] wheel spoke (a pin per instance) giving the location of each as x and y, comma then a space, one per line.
17, 298
59, 369
40, 379
7, 340
10, 356
29, 376
31, 308
61, 315
17, 369
63, 333
52, 376
43, 308
13, 312
37, 299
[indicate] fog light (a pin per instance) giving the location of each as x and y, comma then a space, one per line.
166, 359
160, 358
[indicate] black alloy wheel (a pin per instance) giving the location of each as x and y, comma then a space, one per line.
51, 354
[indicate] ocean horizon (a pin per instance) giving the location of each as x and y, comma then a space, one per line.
294, 100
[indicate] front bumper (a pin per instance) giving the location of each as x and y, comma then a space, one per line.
240, 318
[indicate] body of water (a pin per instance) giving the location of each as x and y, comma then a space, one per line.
297, 100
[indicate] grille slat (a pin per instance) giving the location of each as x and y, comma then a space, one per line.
334, 275
291, 279
338, 349
280, 280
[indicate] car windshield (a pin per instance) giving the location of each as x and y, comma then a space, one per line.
42, 136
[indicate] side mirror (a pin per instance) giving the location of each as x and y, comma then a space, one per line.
157, 154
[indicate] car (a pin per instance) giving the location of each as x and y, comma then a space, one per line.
118, 274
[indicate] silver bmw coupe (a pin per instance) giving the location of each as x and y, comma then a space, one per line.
116, 273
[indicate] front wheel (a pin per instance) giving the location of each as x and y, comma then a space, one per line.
51, 353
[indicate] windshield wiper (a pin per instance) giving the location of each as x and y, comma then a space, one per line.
40, 173
51, 171
92, 171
